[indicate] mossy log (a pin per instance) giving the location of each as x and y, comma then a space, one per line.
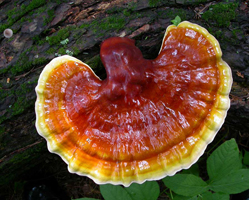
47, 29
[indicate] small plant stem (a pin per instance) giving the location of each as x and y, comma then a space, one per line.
171, 195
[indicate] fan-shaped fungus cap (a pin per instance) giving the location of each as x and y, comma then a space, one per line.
147, 119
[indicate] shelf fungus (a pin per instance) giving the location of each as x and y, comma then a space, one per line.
148, 119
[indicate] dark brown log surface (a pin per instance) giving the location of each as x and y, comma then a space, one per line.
46, 29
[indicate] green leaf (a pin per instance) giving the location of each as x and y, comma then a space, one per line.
176, 21
179, 197
147, 191
186, 184
233, 183
223, 160
114, 192
215, 196
85, 199
204, 196
246, 158
194, 169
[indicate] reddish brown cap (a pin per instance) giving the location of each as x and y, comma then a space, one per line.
147, 119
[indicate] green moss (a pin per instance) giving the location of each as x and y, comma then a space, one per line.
119, 18
236, 32
60, 35
107, 24
22, 159
132, 5
3, 27
172, 13
112, 23
22, 102
154, 3
38, 40
4, 93
35, 48
76, 51
62, 51
18, 12
50, 51
221, 14
99, 27
41, 10
226, 39
219, 34
39, 61
24, 63
114, 10
126, 12
33, 5
51, 15
85, 25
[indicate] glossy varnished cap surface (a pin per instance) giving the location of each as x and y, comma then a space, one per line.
147, 119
